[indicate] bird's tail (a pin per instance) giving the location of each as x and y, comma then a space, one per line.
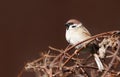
98, 62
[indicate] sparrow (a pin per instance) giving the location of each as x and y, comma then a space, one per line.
75, 33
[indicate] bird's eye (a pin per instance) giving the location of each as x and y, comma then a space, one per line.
73, 26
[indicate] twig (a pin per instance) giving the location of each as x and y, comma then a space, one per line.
118, 58
76, 51
21, 72
92, 38
113, 59
55, 65
55, 49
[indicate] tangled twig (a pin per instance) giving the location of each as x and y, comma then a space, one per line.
68, 62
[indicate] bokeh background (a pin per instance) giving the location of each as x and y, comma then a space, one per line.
28, 27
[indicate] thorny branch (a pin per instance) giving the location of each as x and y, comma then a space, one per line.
68, 62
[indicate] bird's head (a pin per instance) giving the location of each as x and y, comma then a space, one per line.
73, 24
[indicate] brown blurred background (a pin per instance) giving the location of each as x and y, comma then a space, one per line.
28, 27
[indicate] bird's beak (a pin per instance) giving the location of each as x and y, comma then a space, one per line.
67, 25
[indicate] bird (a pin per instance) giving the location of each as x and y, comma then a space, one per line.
75, 33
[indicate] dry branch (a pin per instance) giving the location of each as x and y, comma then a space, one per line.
67, 63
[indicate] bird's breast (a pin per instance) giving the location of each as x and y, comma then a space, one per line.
74, 37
